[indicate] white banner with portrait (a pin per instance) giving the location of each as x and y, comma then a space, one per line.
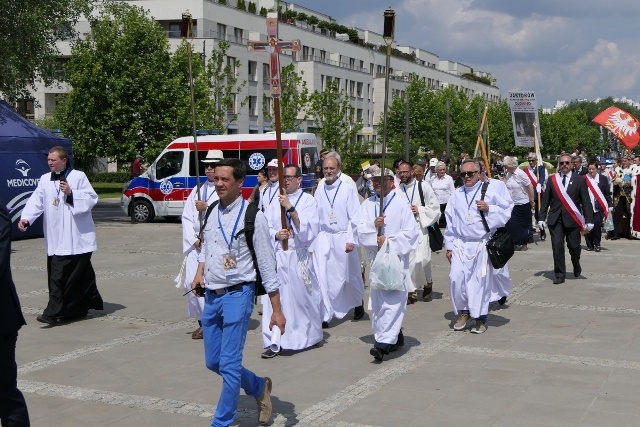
524, 114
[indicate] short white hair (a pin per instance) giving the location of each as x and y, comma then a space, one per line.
441, 164
510, 162
335, 156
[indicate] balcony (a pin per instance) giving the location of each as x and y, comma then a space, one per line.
309, 58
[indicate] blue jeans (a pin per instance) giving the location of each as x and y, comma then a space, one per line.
224, 328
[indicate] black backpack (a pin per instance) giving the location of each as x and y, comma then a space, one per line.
248, 230
436, 239
500, 246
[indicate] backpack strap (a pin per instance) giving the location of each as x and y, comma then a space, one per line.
419, 184
249, 230
206, 215
483, 191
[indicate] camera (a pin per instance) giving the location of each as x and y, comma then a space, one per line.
199, 290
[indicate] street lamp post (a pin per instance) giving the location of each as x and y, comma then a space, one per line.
389, 28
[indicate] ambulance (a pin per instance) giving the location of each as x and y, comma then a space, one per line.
166, 184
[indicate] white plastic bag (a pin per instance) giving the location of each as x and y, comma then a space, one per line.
608, 224
387, 272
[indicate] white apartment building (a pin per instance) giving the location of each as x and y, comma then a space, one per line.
359, 69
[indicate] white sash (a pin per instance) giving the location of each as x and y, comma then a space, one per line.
531, 176
568, 203
594, 189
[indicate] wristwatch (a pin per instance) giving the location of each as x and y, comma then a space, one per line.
292, 209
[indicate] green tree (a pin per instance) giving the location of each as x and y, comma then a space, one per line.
252, 7
241, 5
334, 117
29, 31
121, 102
294, 99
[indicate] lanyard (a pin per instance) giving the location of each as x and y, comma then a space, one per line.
473, 198
206, 199
384, 208
66, 173
233, 233
294, 206
413, 193
331, 202
271, 196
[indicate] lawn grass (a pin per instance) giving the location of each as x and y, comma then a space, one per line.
108, 189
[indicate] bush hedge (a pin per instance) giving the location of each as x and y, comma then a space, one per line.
119, 177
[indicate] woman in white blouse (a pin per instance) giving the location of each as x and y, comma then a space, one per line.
442, 185
521, 191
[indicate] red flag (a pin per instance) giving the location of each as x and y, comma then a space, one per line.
622, 124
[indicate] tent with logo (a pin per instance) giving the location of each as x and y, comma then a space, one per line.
23, 159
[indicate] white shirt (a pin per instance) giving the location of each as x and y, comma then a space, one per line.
518, 186
443, 187
68, 229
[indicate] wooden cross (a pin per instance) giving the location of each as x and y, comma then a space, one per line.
273, 47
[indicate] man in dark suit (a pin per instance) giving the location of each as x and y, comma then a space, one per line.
560, 220
577, 166
13, 408
595, 179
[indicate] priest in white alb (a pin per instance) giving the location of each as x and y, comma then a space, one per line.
192, 215
299, 290
65, 199
335, 260
471, 276
425, 207
398, 225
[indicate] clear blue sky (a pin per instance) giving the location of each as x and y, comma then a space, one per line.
561, 49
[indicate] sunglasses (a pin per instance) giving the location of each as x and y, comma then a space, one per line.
565, 163
468, 174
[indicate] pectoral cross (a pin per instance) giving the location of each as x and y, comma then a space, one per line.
273, 47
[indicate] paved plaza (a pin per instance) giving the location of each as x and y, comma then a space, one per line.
555, 355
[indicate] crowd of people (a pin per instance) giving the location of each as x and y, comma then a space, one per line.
307, 266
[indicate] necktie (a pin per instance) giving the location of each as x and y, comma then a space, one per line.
564, 180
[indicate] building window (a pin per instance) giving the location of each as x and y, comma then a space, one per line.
222, 32
253, 105
266, 76
253, 71
231, 62
174, 30
237, 34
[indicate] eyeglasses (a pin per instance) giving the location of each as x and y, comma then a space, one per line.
209, 166
468, 174
565, 163
532, 160
290, 177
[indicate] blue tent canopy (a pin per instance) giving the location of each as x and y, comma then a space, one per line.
23, 159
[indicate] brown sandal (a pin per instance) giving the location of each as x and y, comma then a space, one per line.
197, 334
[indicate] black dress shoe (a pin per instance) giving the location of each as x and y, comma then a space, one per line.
577, 270
589, 248
325, 325
378, 353
558, 280
503, 300
358, 312
597, 248
543, 234
49, 320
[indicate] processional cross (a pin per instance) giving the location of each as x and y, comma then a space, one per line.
273, 46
